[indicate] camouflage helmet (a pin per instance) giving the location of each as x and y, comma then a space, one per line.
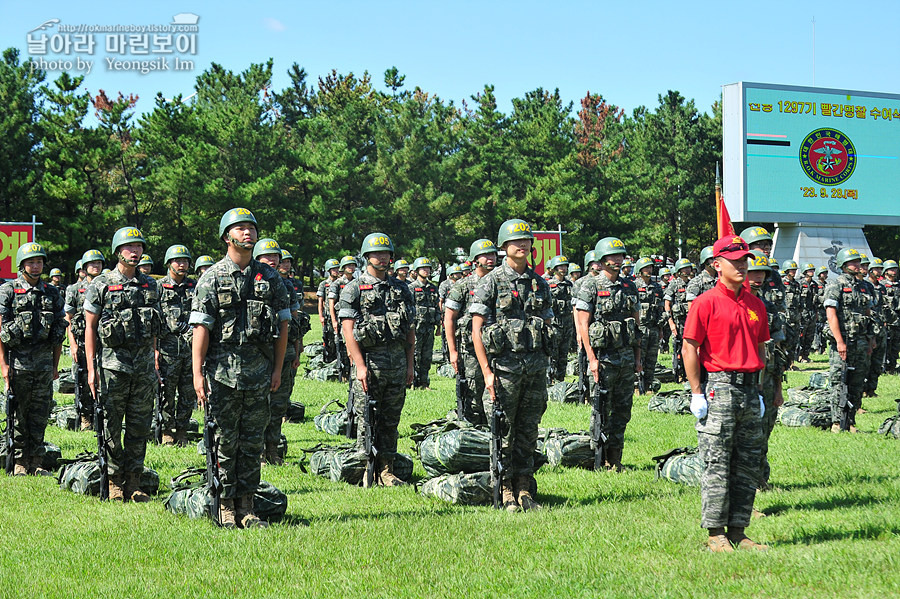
665, 270
875, 263
821, 269
466, 266
773, 263
265, 246
286, 255
375, 242
481, 246
234, 216
331, 263
627, 263
789, 265
29, 250
642, 263
755, 234
176, 251
680, 264
127, 235
514, 228
56, 272
589, 257
202, 261
421, 262
557, 261
401, 263
808, 266
91, 256
454, 269
574, 268
347, 260
846, 255
864, 258
888, 264
706, 254
608, 246
146, 260
758, 261
78, 266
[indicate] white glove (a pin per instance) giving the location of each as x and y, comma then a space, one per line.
699, 406
762, 407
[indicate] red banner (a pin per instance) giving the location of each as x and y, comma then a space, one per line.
11, 237
546, 246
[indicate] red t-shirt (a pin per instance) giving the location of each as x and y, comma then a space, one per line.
729, 329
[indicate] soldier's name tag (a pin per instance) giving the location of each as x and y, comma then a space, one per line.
168, 285
603, 294
418, 289
847, 290
365, 287
553, 285
19, 291
114, 288
642, 289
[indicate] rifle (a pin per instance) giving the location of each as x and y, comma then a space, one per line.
77, 372
642, 382
885, 361
370, 443
102, 442
462, 389
338, 344
10, 420
843, 400
599, 420
584, 387
213, 482
351, 412
677, 362
157, 411
498, 419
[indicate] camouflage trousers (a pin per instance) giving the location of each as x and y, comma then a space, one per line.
618, 371
807, 333
729, 439
857, 369
665, 336
87, 400
387, 387
649, 350
768, 422
475, 379
33, 391
791, 339
423, 352
328, 341
280, 401
127, 403
520, 386
179, 397
241, 416
565, 333
876, 362
892, 348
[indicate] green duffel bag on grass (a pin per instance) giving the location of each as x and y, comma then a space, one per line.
446, 370
82, 476
682, 465
314, 349
676, 401
330, 421
462, 489
50, 455
66, 381
327, 372
572, 450
191, 498
296, 412
564, 392
455, 451
65, 417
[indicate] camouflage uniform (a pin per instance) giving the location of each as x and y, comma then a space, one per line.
809, 291
700, 284
443, 290
428, 315
243, 311
676, 294
729, 439
328, 327
776, 363
74, 306
383, 312
34, 325
334, 293
174, 347
793, 304
614, 336
853, 305
892, 323
129, 322
653, 318
563, 322
280, 399
459, 299
517, 340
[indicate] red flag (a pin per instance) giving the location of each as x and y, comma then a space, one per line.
724, 227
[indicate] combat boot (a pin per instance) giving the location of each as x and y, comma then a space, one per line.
741, 541
168, 439
271, 455
718, 542
133, 489
614, 459
386, 478
226, 513
181, 437
37, 467
245, 516
522, 489
20, 469
116, 492
86, 423
509, 498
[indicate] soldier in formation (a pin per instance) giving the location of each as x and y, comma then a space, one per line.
511, 333
377, 313
793, 309
676, 308
56, 276
176, 292
240, 316
202, 265
347, 266
401, 270
563, 319
332, 268
32, 328
92, 264
704, 281
809, 291
650, 296
891, 314
428, 315
123, 322
870, 272
574, 272
146, 265
454, 274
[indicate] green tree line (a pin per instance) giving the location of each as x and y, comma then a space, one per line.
321, 163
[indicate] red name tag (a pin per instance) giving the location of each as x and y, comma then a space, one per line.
364, 287
472, 292
114, 288
642, 289
145, 285
771, 283
259, 276
418, 289
515, 293
82, 290
168, 285
847, 289
19, 290
603, 294
682, 290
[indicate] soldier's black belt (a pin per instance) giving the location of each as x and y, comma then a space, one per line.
738, 379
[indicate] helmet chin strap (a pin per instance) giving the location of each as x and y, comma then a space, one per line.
246, 245
128, 261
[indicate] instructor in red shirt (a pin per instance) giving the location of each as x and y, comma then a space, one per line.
724, 355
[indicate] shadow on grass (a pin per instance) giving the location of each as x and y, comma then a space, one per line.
824, 504
836, 481
825, 535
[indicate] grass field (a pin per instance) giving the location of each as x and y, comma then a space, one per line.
833, 522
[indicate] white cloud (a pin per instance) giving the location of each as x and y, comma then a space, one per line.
274, 24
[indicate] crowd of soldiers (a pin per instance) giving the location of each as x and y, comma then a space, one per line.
233, 338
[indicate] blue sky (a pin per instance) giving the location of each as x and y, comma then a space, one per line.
628, 51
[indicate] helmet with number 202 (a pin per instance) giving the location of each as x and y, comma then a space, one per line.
234, 216
481, 246
127, 235
513, 229
266, 246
